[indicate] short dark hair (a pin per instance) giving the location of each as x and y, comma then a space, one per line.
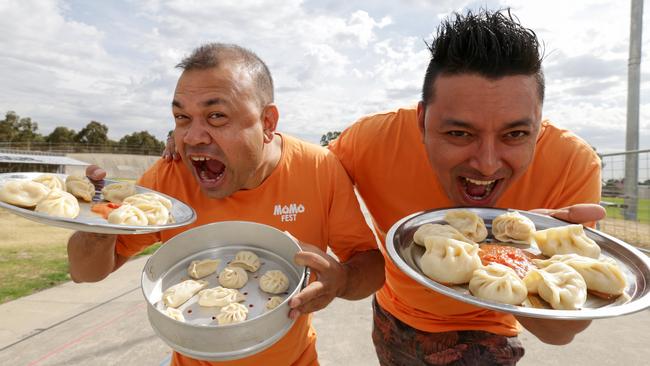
212, 55
492, 44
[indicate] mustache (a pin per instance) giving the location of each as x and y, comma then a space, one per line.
205, 150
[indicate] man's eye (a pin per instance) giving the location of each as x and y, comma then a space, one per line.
180, 118
458, 133
217, 115
516, 134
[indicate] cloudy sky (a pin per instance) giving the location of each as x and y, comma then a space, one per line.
70, 62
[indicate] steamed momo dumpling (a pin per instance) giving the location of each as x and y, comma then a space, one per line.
156, 212
232, 313
174, 314
468, 223
566, 240
117, 192
149, 197
51, 181
80, 186
274, 282
60, 204
600, 275
498, 283
127, 215
274, 302
449, 261
233, 277
201, 268
246, 260
219, 296
23, 193
513, 227
446, 231
178, 294
559, 284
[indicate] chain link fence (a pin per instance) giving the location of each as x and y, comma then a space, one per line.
628, 208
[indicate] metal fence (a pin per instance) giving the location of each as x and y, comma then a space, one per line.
628, 205
66, 148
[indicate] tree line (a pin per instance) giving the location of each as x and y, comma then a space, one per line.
16, 131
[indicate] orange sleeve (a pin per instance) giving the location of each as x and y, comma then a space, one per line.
343, 148
130, 245
348, 231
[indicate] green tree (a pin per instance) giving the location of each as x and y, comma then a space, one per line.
16, 129
94, 133
328, 137
142, 139
61, 135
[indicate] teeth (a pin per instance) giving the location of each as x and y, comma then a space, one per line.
199, 158
480, 182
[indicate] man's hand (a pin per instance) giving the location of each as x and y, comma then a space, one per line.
170, 153
331, 281
555, 332
578, 214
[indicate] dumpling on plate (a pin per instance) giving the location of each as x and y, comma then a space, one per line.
80, 186
174, 314
23, 193
246, 260
148, 197
201, 268
60, 204
601, 275
273, 303
446, 231
219, 296
566, 240
51, 181
449, 261
232, 313
468, 223
274, 282
559, 284
178, 294
150, 202
233, 277
513, 227
499, 283
117, 192
128, 215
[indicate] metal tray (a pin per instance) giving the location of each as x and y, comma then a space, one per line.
200, 336
91, 222
636, 266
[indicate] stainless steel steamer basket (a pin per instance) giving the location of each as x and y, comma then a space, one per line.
199, 336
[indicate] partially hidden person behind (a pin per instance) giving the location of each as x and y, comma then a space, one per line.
476, 138
234, 166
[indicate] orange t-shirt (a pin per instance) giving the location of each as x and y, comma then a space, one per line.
386, 159
308, 194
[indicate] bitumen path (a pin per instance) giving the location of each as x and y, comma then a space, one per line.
105, 323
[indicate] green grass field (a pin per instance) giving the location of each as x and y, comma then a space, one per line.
643, 209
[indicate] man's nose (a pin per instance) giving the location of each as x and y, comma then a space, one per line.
487, 159
197, 133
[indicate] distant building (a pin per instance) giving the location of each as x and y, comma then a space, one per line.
12, 161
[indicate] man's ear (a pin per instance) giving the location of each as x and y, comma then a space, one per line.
421, 111
270, 117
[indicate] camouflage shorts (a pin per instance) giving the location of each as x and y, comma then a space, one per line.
397, 343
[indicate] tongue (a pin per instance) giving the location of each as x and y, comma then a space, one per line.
214, 168
476, 190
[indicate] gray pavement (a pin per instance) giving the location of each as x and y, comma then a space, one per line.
106, 324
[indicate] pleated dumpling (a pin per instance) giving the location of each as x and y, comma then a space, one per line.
178, 294
201, 268
446, 231
468, 223
117, 192
601, 275
127, 215
274, 282
219, 296
498, 283
174, 314
566, 240
233, 277
232, 313
513, 227
60, 204
273, 302
559, 285
154, 205
246, 260
51, 181
449, 261
23, 193
148, 197
80, 186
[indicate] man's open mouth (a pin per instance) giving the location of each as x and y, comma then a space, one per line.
478, 191
210, 171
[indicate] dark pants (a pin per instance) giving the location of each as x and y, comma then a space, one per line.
399, 344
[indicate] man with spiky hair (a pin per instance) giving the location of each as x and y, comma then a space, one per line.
477, 139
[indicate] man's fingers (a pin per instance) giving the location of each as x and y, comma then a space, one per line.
312, 291
95, 173
312, 260
579, 214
